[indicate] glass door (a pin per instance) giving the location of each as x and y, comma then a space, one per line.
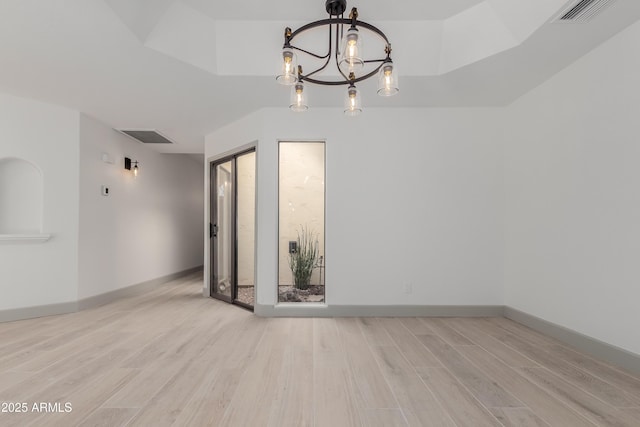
245, 228
222, 230
232, 229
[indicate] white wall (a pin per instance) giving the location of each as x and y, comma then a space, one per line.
33, 274
413, 196
573, 198
149, 226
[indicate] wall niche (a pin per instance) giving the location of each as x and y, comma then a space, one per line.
21, 199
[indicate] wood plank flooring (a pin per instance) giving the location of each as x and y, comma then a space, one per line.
174, 358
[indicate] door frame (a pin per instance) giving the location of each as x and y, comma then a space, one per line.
212, 194
213, 232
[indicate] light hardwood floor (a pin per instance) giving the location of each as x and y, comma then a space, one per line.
172, 357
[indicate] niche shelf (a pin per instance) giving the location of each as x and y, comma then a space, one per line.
21, 201
34, 237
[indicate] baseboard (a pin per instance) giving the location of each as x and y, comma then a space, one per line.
93, 301
322, 310
14, 314
596, 348
133, 290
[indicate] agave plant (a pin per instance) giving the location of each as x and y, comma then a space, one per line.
303, 260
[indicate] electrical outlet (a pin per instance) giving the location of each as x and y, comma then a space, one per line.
408, 288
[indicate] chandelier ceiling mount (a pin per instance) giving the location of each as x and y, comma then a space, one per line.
336, 7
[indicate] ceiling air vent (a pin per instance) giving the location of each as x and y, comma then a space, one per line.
583, 10
146, 136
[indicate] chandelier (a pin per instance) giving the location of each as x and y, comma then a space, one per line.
345, 49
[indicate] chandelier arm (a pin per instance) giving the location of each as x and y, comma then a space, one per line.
341, 82
324, 83
310, 53
371, 74
387, 59
328, 56
316, 71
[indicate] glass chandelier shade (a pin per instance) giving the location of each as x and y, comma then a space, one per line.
352, 102
298, 98
351, 53
388, 80
288, 72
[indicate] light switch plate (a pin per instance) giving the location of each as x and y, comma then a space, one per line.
105, 190
106, 158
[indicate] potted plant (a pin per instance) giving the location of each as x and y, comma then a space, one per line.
303, 260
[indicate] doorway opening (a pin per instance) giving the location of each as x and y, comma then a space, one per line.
232, 229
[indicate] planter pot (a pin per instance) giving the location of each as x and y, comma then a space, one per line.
302, 283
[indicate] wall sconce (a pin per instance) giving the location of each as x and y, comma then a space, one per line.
128, 163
